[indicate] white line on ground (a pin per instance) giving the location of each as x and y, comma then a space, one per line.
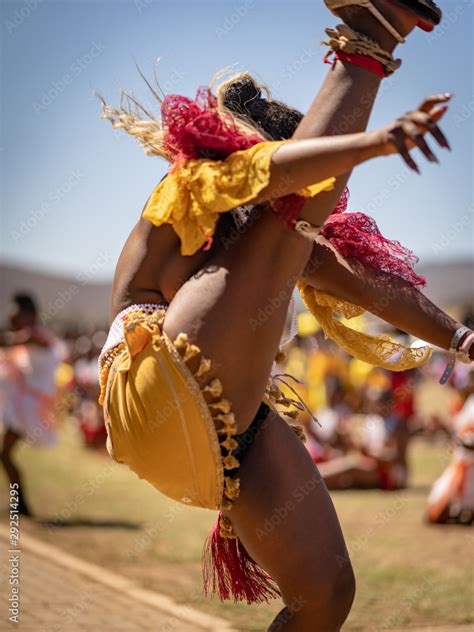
444, 628
122, 584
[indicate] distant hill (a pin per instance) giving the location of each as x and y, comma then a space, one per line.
63, 301
450, 283
67, 301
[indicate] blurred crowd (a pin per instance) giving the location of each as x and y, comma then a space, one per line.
359, 420
77, 378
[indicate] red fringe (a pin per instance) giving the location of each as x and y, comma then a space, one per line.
357, 235
289, 207
230, 572
196, 128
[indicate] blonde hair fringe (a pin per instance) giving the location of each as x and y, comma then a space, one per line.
147, 128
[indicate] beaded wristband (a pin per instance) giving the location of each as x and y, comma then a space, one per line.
363, 61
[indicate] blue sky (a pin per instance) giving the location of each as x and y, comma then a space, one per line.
72, 188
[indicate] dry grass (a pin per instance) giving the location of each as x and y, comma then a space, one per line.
409, 574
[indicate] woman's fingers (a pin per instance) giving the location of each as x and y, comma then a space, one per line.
399, 140
430, 102
437, 114
428, 123
412, 131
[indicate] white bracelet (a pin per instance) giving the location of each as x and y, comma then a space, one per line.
453, 352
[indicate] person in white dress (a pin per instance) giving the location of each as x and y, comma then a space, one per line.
29, 358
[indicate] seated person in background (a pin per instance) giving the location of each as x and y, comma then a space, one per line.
377, 462
452, 495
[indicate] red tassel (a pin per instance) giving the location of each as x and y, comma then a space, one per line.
229, 571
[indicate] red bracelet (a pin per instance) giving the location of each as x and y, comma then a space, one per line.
363, 61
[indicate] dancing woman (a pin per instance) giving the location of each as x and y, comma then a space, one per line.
29, 357
189, 401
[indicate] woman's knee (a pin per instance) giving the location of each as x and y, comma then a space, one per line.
344, 590
325, 600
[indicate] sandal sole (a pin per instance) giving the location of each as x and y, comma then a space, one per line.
429, 13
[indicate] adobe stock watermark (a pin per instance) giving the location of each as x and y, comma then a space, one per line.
281, 513
64, 297
464, 112
273, 305
52, 198
176, 77
393, 184
58, 86
152, 531
231, 21
82, 603
86, 490
151, 103
451, 234
381, 519
14, 552
141, 5
296, 65
451, 15
286, 615
396, 616
21, 14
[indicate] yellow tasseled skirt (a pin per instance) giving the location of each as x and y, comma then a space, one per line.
166, 427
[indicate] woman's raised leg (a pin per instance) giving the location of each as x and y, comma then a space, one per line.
234, 309
345, 101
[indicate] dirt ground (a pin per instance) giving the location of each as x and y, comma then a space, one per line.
410, 575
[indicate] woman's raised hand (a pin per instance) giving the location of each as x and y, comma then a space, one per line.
410, 130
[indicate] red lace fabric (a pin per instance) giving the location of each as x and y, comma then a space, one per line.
196, 129
357, 235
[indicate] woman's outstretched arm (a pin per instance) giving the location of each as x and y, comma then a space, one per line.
301, 163
391, 298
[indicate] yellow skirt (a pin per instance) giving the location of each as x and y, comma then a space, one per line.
171, 430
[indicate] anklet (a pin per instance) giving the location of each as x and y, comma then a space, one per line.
346, 41
334, 5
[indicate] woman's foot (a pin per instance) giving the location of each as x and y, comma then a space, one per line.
362, 20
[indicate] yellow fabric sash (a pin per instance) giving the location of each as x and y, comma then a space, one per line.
195, 192
380, 351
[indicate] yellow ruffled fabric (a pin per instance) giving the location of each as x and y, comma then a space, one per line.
193, 194
380, 351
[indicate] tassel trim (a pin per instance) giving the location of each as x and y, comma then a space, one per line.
222, 416
277, 397
230, 572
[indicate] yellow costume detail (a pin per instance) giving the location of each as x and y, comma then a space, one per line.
166, 422
380, 351
195, 192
